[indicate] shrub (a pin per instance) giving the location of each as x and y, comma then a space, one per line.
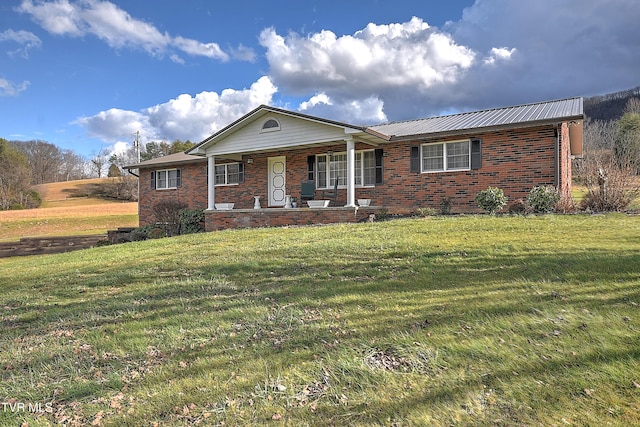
424, 212
491, 200
191, 221
543, 198
518, 207
445, 206
167, 213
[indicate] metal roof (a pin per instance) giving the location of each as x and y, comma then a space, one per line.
497, 118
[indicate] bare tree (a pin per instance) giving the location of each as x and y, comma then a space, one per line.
98, 161
608, 175
72, 167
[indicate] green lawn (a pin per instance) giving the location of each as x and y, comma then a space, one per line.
466, 320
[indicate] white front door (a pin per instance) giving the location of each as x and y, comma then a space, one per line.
277, 182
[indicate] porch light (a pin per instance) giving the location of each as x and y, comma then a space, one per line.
330, 153
249, 161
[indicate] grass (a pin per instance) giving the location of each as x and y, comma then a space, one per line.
62, 214
466, 320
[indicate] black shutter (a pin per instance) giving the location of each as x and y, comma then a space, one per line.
415, 159
476, 153
311, 161
178, 177
379, 169
240, 173
153, 180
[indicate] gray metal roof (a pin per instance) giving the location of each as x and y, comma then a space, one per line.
497, 118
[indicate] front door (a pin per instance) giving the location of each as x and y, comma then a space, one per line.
277, 182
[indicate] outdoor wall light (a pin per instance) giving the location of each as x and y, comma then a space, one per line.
330, 153
249, 161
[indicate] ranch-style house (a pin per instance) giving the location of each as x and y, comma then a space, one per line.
269, 166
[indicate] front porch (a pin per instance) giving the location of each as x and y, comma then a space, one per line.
279, 217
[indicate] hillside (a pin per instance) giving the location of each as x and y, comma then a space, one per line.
67, 210
610, 106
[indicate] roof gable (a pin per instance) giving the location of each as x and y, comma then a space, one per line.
247, 133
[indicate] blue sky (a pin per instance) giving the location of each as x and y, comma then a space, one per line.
88, 74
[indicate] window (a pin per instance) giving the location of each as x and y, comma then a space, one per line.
166, 179
229, 173
270, 125
448, 156
368, 169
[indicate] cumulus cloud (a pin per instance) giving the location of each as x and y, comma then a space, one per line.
185, 117
377, 58
392, 66
499, 53
26, 39
355, 111
8, 88
114, 26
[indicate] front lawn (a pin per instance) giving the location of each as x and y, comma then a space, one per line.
465, 320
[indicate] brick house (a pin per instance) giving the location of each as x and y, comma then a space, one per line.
259, 164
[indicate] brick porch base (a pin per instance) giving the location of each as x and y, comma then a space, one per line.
278, 217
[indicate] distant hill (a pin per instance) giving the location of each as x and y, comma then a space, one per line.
610, 106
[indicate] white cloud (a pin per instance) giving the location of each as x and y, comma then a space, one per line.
27, 39
185, 117
359, 112
114, 26
500, 53
374, 60
8, 88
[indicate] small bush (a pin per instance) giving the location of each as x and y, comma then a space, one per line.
168, 212
424, 212
16, 207
519, 207
147, 232
191, 221
445, 206
543, 199
491, 200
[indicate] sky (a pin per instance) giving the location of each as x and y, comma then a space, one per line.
86, 75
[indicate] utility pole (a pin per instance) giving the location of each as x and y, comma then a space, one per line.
136, 145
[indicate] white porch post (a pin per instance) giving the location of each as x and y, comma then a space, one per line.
351, 173
211, 183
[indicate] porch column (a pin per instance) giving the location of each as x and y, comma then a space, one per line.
211, 183
351, 173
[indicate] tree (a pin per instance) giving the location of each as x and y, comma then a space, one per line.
627, 141
114, 171
98, 160
15, 177
44, 158
611, 182
179, 146
72, 167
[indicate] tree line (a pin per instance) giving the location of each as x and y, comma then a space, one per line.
26, 164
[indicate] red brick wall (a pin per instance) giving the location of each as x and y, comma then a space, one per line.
220, 220
513, 160
193, 190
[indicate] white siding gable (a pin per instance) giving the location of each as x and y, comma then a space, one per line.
294, 132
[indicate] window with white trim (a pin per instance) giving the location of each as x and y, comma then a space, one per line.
229, 174
446, 156
332, 168
167, 179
